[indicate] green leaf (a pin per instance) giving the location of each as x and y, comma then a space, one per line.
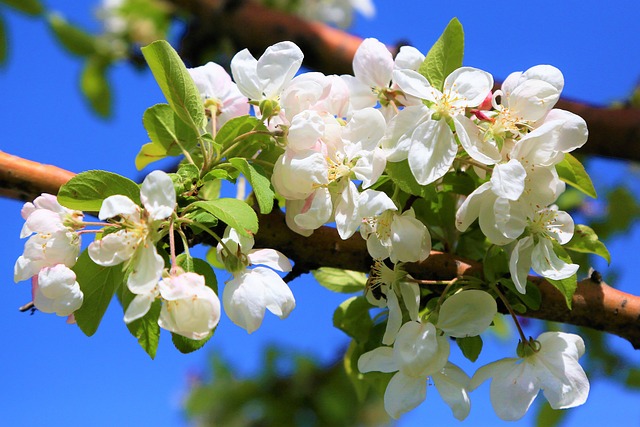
495, 264
87, 190
352, 317
165, 128
149, 153
569, 285
235, 213
338, 280
633, 378
259, 182
549, 417
187, 345
350, 362
75, 40
401, 175
445, 56
470, 346
573, 173
236, 127
586, 240
176, 83
145, 329
98, 284
196, 265
95, 87
531, 298
4, 44
30, 7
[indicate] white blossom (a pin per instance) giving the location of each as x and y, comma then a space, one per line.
251, 291
554, 369
55, 290
135, 242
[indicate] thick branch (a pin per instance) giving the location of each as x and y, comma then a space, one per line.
595, 305
612, 132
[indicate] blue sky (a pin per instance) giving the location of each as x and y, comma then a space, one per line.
53, 375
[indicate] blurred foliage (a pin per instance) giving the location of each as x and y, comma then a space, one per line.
290, 390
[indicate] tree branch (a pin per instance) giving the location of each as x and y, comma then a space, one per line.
613, 132
595, 305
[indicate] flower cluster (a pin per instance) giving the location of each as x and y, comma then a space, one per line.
371, 153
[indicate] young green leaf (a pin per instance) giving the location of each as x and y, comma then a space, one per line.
235, 213
401, 175
338, 280
569, 285
187, 345
586, 240
149, 153
95, 86
145, 329
573, 173
238, 126
87, 190
470, 346
259, 182
352, 317
98, 284
445, 56
30, 7
165, 128
75, 40
176, 83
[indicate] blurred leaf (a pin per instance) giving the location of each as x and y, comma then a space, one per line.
531, 298
338, 280
95, 87
633, 378
549, 417
75, 40
87, 190
586, 240
98, 284
573, 173
176, 83
445, 55
352, 317
4, 42
30, 7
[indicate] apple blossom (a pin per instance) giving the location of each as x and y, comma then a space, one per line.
135, 241
220, 95
55, 290
252, 290
552, 367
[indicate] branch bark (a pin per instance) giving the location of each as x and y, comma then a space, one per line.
613, 132
595, 305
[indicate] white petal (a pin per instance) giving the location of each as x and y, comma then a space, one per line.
411, 296
278, 297
410, 239
271, 258
244, 300
277, 66
373, 202
363, 131
471, 140
379, 359
520, 263
244, 69
346, 215
139, 306
397, 138
394, 320
316, 210
451, 383
404, 393
114, 248
418, 349
117, 205
513, 392
467, 313
546, 263
147, 266
373, 63
432, 151
409, 57
415, 84
158, 195
507, 179
469, 210
471, 84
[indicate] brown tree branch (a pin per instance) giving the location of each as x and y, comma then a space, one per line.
612, 132
595, 305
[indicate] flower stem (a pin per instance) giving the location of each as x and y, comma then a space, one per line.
511, 312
